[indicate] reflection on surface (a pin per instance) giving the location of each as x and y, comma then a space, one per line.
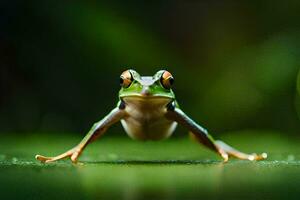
174, 169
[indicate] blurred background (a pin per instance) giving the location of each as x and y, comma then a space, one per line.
235, 63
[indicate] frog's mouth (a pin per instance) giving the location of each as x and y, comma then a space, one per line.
139, 96
146, 102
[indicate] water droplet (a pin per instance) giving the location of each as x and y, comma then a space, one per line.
290, 157
14, 160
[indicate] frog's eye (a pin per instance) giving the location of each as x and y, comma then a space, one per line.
126, 79
167, 80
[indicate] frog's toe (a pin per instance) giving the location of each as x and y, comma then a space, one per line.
224, 155
225, 158
42, 158
260, 156
75, 156
255, 156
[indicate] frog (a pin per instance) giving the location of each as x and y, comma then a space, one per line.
148, 110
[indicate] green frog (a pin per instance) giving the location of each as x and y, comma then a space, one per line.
148, 110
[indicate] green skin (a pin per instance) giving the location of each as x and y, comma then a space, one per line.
149, 111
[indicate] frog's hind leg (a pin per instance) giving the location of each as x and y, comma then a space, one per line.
238, 154
97, 130
202, 136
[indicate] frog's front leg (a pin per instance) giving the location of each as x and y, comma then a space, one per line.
97, 130
202, 136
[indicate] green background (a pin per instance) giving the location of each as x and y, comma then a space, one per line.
236, 69
235, 63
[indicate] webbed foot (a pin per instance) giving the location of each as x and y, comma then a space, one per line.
226, 151
73, 154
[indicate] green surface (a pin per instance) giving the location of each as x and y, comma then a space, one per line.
175, 168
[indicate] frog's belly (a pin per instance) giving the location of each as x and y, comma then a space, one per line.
145, 120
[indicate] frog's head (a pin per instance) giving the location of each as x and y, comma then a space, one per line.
158, 85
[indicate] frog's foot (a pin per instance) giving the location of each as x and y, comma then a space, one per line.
72, 153
225, 151
224, 154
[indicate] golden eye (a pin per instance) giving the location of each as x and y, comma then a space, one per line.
126, 79
167, 80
